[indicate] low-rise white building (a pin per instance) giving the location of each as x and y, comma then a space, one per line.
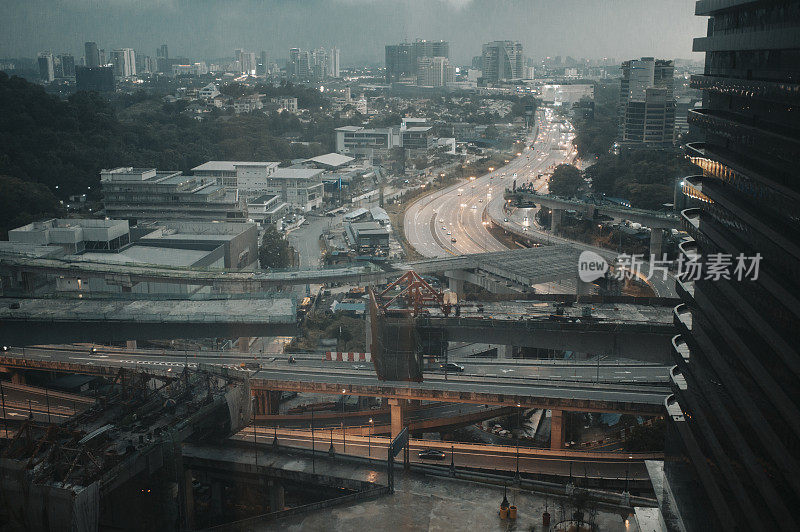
248, 177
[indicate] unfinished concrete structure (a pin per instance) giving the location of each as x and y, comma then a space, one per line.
120, 461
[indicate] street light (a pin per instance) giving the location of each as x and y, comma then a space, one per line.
369, 441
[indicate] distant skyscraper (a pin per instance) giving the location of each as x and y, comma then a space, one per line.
319, 60
162, 59
103, 58
647, 103
299, 66
733, 435
67, 65
92, 54
265, 62
124, 60
247, 62
98, 79
402, 59
502, 61
434, 72
46, 67
333, 63
398, 61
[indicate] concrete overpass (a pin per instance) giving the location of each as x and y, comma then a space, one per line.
651, 219
62, 320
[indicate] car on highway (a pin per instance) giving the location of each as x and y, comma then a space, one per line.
451, 366
452, 240
432, 454
449, 233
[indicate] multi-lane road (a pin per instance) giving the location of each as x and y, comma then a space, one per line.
452, 220
308, 365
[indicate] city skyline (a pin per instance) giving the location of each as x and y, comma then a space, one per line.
215, 30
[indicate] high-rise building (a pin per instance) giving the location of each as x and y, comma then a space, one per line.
97, 79
300, 65
265, 63
162, 59
247, 62
46, 66
92, 54
647, 103
435, 72
67, 62
333, 63
402, 59
319, 60
103, 58
502, 61
124, 60
398, 61
733, 438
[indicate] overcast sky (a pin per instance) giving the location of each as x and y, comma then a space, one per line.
205, 29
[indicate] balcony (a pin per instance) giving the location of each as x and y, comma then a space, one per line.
772, 140
690, 219
681, 349
682, 318
707, 7
788, 93
770, 39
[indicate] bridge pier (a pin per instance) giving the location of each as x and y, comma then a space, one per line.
131, 344
17, 377
396, 415
656, 242
505, 351
457, 286
277, 500
244, 344
266, 402
555, 219
188, 499
557, 429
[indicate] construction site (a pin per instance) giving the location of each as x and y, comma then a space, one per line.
119, 461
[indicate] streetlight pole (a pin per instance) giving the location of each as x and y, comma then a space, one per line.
313, 448
369, 440
3, 400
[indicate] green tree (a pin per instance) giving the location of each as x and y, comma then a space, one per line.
274, 250
565, 181
22, 203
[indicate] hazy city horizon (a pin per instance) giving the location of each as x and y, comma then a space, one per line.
360, 28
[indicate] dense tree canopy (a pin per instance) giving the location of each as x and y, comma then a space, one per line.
22, 202
65, 144
645, 177
274, 250
565, 181
596, 135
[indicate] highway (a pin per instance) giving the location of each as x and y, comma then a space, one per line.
458, 212
512, 370
494, 457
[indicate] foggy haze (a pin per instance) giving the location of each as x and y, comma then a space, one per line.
205, 29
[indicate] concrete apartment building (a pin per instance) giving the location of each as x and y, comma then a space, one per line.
146, 194
363, 142
647, 103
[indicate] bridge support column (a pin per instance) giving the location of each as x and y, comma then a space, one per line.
555, 219
557, 429
396, 415
656, 242
277, 499
266, 402
17, 377
216, 497
505, 351
582, 288
457, 286
244, 344
188, 499
131, 344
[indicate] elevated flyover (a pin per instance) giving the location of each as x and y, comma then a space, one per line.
525, 391
60, 320
651, 219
